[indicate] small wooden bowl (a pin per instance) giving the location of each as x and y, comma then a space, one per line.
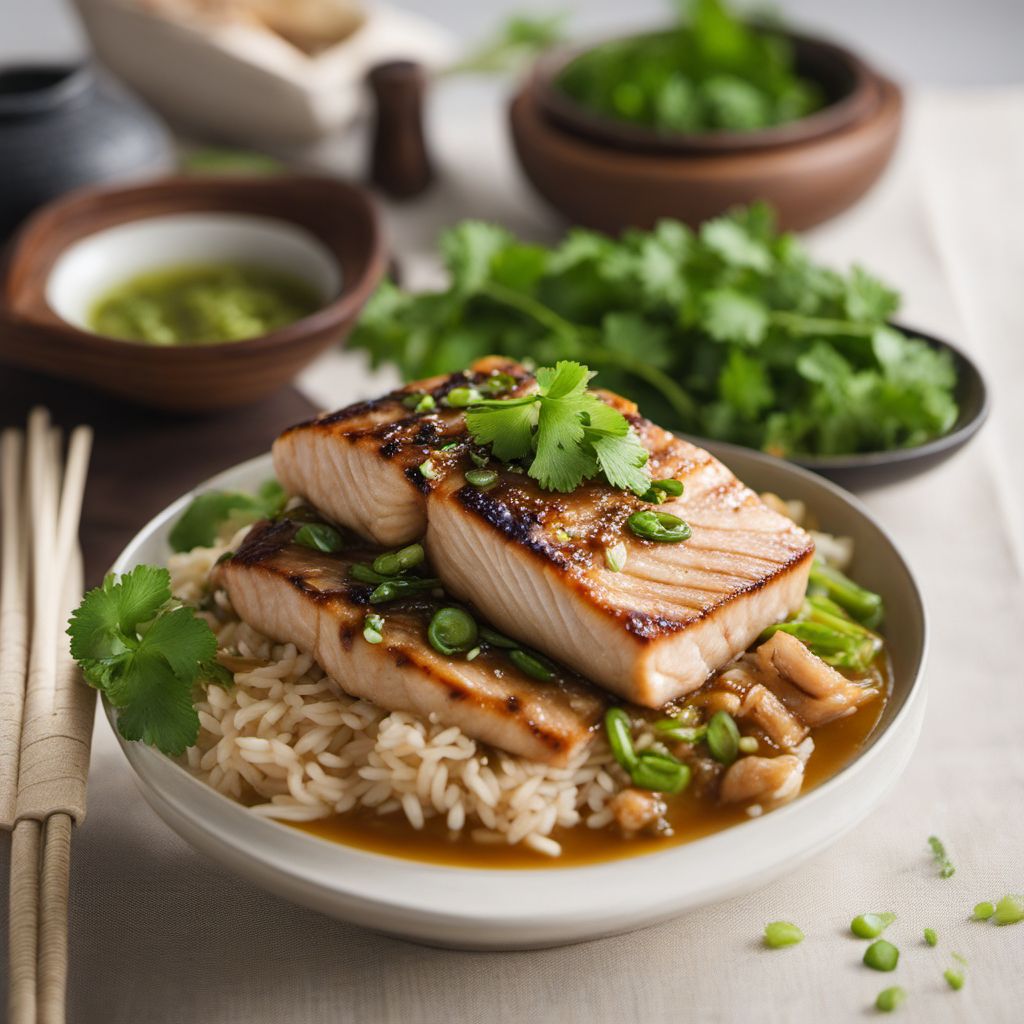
612, 188
332, 225
849, 87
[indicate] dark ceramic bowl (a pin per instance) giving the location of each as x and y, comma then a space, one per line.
76, 248
849, 87
873, 469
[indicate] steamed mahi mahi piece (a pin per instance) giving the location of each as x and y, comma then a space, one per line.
536, 562
293, 594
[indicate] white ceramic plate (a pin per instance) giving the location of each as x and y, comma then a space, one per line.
505, 909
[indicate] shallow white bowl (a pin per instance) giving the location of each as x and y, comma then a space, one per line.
505, 909
93, 265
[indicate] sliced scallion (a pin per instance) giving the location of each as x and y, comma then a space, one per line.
319, 537
620, 737
723, 737
983, 911
391, 563
496, 639
532, 665
452, 630
373, 628
1009, 910
615, 557
482, 478
660, 527
661, 773
427, 470
461, 397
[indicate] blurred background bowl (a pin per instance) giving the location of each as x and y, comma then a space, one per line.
611, 177
73, 250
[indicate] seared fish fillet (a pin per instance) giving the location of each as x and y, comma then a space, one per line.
293, 594
534, 562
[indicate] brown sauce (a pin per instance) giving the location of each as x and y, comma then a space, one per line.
835, 746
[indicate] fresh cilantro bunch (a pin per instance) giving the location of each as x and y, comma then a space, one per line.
713, 72
731, 332
518, 40
206, 514
564, 432
146, 655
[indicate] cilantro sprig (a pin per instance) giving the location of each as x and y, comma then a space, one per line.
564, 432
146, 654
206, 514
731, 332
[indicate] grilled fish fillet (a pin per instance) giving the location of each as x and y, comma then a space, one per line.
534, 562
293, 594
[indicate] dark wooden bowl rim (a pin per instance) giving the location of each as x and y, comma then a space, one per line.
172, 195
857, 103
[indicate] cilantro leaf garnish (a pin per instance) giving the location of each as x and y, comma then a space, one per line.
565, 433
145, 655
200, 522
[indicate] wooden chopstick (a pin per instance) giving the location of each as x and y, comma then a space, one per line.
56, 720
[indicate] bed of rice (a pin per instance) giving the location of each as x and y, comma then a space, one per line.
288, 742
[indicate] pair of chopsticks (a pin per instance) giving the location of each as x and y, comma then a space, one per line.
46, 710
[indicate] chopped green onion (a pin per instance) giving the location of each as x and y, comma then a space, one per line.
427, 470
479, 460
779, 934
1009, 910
946, 869
460, 398
983, 911
661, 773
401, 586
672, 487
413, 399
473, 654
373, 628
482, 478
496, 639
864, 605
452, 630
870, 926
674, 729
620, 737
425, 404
319, 537
532, 665
954, 978
499, 383
890, 999
653, 497
881, 955
931, 937
391, 563
615, 557
661, 527
450, 447
748, 744
723, 737
687, 716
563, 536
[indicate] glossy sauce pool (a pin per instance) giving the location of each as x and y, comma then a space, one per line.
835, 746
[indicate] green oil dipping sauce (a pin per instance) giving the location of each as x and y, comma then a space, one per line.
201, 304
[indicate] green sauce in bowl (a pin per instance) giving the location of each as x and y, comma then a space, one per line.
201, 304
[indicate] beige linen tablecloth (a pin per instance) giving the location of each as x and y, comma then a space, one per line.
160, 934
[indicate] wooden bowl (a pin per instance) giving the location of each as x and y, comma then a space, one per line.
327, 224
612, 189
850, 89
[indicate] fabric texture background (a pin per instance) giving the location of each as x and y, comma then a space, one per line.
162, 935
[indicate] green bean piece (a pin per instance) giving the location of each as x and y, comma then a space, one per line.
1009, 910
391, 563
496, 639
460, 398
832, 646
931, 937
890, 999
319, 537
532, 665
723, 737
954, 978
620, 737
482, 478
881, 955
779, 934
452, 630
983, 911
870, 926
661, 527
864, 605
660, 773
373, 629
